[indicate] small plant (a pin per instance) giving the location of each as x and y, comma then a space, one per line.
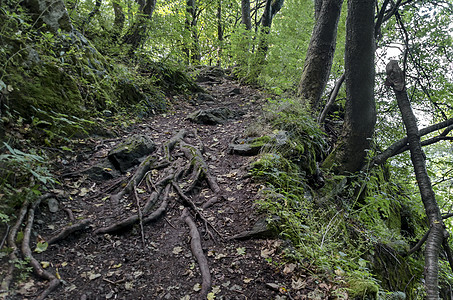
58, 126
23, 268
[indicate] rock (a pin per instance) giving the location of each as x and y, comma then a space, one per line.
235, 91
202, 97
261, 230
102, 171
253, 146
210, 74
213, 116
245, 149
53, 205
127, 153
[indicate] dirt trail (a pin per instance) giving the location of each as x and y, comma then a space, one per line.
156, 260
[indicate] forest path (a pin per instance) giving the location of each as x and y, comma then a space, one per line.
158, 259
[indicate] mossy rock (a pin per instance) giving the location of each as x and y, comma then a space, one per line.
363, 289
46, 87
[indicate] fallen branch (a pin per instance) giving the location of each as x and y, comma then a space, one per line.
418, 245
197, 251
396, 147
333, 96
69, 230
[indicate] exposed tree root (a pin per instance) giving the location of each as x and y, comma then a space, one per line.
68, 230
197, 251
141, 171
11, 240
183, 175
26, 251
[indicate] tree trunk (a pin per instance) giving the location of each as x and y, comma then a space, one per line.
118, 23
360, 111
245, 10
219, 31
395, 78
137, 32
318, 61
192, 48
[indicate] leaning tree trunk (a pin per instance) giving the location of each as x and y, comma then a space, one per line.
318, 61
395, 78
360, 110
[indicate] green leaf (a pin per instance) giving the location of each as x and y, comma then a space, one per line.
41, 247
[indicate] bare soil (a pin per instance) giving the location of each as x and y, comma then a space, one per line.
156, 260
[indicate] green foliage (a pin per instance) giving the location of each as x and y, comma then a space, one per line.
59, 127
23, 268
306, 141
23, 177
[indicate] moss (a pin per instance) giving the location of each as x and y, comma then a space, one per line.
363, 289
260, 141
46, 87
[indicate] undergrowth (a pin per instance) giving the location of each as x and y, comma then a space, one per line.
339, 228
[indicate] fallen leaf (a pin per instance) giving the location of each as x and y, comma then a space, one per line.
41, 247
116, 266
197, 287
45, 264
64, 264
240, 251
177, 250
220, 255
83, 192
298, 284
93, 276
289, 268
265, 253
129, 286
247, 280
210, 296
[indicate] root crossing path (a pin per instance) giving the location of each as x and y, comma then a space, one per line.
164, 229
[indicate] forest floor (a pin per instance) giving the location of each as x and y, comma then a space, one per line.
158, 258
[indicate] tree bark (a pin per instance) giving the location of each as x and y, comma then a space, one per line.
321, 49
245, 10
192, 48
395, 78
118, 22
360, 110
137, 33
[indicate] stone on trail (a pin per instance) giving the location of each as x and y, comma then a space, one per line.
213, 116
127, 154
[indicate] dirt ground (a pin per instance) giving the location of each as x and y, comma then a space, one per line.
156, 260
